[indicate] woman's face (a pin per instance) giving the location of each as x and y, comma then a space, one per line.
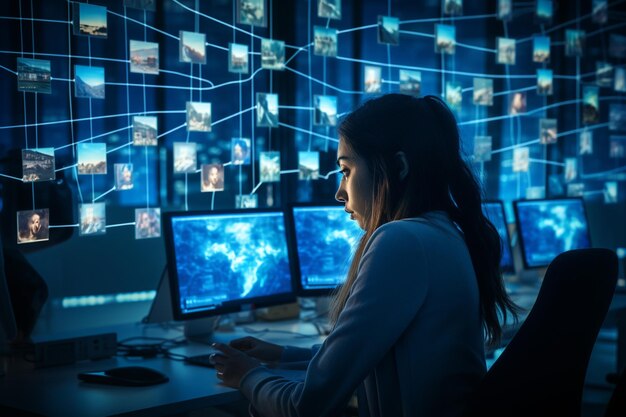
355, 189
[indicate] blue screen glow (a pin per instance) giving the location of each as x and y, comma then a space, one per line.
223, 259
326, 239
495, 213
550, 227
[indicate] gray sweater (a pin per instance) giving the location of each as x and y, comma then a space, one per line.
409, 339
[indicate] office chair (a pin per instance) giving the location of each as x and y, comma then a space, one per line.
542, 370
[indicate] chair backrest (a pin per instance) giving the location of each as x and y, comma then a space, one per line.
542, 370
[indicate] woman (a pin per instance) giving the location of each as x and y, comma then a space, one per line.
424, 288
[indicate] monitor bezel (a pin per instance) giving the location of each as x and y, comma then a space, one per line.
519, 227
509, 270
296, 277
236, 306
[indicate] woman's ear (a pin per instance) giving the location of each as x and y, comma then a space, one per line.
402, 164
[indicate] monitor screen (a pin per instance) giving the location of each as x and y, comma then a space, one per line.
325, 239
550, 227
223, 262
494, 210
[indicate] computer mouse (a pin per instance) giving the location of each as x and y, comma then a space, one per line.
136, 376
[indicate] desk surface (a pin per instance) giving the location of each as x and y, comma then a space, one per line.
57, 392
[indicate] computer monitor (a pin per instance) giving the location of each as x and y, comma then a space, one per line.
494, 210
226, 262
549, 227
325, 239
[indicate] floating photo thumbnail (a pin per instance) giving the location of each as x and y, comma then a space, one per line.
238, 58
544, 82
585, 142
452, 7
144, 57
541, 49
92, 158
482, 148
506, 51
445, 39
535, 193
324, 41
33, 225
251, 12
372, 79
123, 176
88, 81
329, 9
617, 147
454, 95
272, 54
505, 10
270, 166
246, 201
483, 92
147, 223
517, 103
604, 74
90, 20
38, 164
92, 219
192, 47
388, 30
198, 117
547, 131
212, 178
309, 165
33, 75
610, 192
145, 131
571, 169
591, 105
240, 151
599, 11
619, 82
617, 117
266, 110
185, 157
410, 82
325, 113
544, 11
575, 189
521, 159
617, 46
574, 42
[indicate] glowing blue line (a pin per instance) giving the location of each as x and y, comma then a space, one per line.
308, 132
323, 83
339, 32
593, 192
65, 56
409, 32
296, 107
501, 93
389, 82
5, 68
69, 80
231, 116
477, 48
8, 176
256, 188
144, 25
545, 161
336, 171
465, 90
508, 116
67, 167
119, 147
35, 20
289, 171
93, 137
228, 163
216, 46
120, 225
437, 19
58, 226
171, 130
186, 76
103, 194
604, 173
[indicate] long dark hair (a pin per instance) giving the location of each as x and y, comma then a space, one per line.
438, 179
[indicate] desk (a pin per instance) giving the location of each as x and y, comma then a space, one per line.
57, 392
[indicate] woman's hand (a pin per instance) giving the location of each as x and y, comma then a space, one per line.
232, 364
264, 351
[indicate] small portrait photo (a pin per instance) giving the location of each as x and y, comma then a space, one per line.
482, 148
90, 20
270, 166
192, 47
604, 74
610, 192
517, 103
619, 82
309, 165
547, 131
372, 79
144, 57
591, 105
574, 42
617, 46
33, 225
571, 169
147, 223
329, 9
483, 92
251, 12
149, 5
212, 178
185, 157
617, 117
575, 189
38, 164
544, 82
521, 159
585, 143
240, 151
410, 82
541, 49
198, 117
388, 30
272, 54
454, 95
88, 81
325, 113
145, 131
92, 158
246, 201
599, 11
123, 176
452, 7
92, 219
266, 110
543, 12
505, 10
33, 75
535, 193
324, 41
238, 58
617, 147
445, 39
506, 51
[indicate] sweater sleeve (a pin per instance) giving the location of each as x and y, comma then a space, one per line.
387, 294
298, 354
